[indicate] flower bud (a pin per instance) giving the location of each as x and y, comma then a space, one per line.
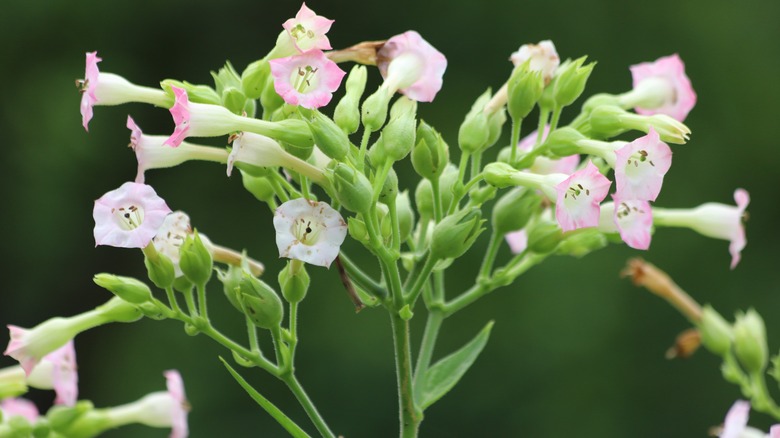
270, 100
357, 229
294, 285
405, 213
598, 100
499, 174
331, 139
234, 100
353, 190
716, 333
474, 132
63, 419
610, 121
496, 122
525, 87
231, 284
295, 132
423, 194
159, 268
563, 142
196, 262
750, 344
482, 194
374, 111
126, 288
254, 77
431, 154
390, 188
544, 237
455, 234
195, 93
582, 242
570, 81
260, 303
347, 114
226, 77
259, 186
513, 210
118, 310
399, 134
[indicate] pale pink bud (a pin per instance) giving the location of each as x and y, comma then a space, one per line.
543, 58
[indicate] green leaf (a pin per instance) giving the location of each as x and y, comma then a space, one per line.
446, 373
269, 407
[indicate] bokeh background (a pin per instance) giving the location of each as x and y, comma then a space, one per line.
576, 350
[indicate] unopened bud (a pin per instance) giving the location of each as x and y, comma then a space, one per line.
474, 132
259, 186
126, 288
374, 111
399, 134
499, 174
562, 142
513, 210
196, 262
234, 100
347, 114
544, 237
330, 139
389, 190
405, 213
750, 344
159, 268
716, 333
260, 303
353, 190
582, 242
294, 282
423, 194
431, 154
455, 234
254, 77
525, 87
570, 81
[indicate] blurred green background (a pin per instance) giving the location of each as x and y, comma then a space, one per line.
576, 351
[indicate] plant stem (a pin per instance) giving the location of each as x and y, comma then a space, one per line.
202, 301
490, 256
516, 125
431, 333
409, 416
308, 406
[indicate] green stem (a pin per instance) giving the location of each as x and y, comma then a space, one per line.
544, 116
363, 148
409, 415
431, 333
294, 193
251, 331
204, 313
516, 125
189, 298
293, 330
230, 344
437, 207
490, 256
362, 279
396, 227
305, 187
417, 286
172, 300
556, 116
278, 189
476, 164
308, 406
762, 400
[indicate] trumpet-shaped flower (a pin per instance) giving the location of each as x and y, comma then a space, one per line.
542, 57
307, 30
309, 231
411, 65
640, 167
151, 152
128, 217
57, 370
714, 220
579, 196
109, 89
633, 219
19, 407
661, 87
544, 165
308, 79
197, 119
29, 346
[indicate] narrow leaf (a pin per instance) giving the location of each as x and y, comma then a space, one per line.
446, 373
269, 407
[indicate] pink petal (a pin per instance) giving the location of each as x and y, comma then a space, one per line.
181, 117
18, 349
634, 220
65, 375
738, 240
107, 227
736, 419
325, 79
88, 98
314, 27
774, 431
179, 415
640, 167
517, 241
427, 79
21, 407
579, 196
672, 69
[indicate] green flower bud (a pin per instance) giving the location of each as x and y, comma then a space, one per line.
153, 310
377, 155
606, 121
159, 268
195, 262
357, 229
347, 114
570, 81
331, 140
260, 303
16, 427
609, 121
455, 234
182, 284
716, 333
423, 194
195, 93
399, 134
750, 345
598, 100
582, 242
563, 142
294, 133
81, 420
353, 190
234, 100
496, 122
126, 288
524, 89
270, 100
225, 78
294, 285
499, 174
254, 78
374, 111
403, 206
482, 194
544, 237
390, 188
474, 132
231, 284
431, 154
259, 186
119, 310
513, 210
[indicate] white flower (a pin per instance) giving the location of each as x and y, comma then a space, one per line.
309, 231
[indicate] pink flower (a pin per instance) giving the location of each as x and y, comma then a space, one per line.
517, 241
308, 80
543, 57
307, 30
409, 64
129, 216
88, 98
634, 221
29, 346
151, 152
736, 419
544, 165
180, 407
19, 407
579, 196
640, 167
198, 119
58, 371
661, 87
309, 231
